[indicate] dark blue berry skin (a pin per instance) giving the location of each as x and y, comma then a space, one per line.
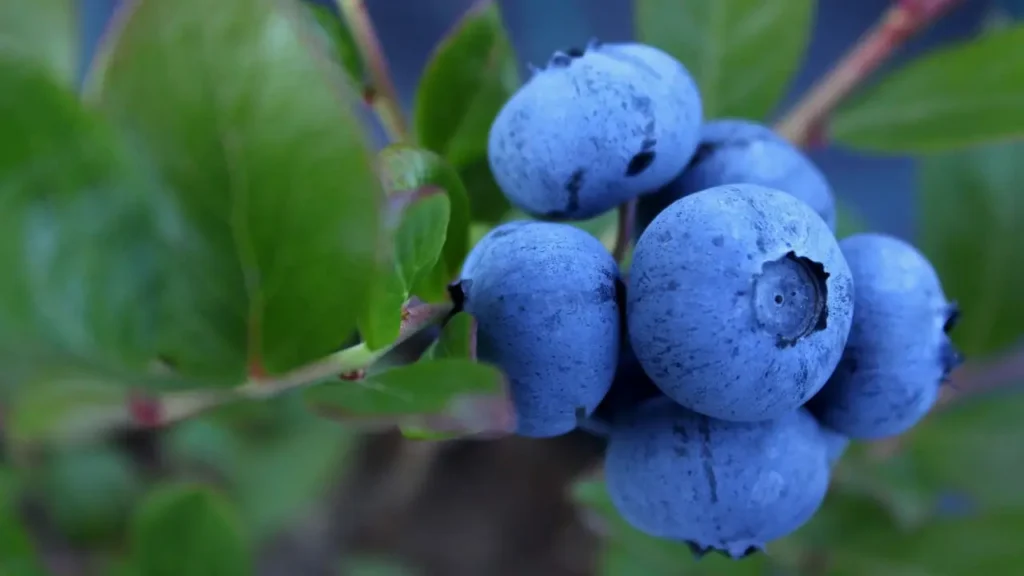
898, 352
727, 486
545, 298
734, 151
739, 302
592, 130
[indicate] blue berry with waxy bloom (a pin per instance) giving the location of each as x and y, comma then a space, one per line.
726, 486
545, 297
734, 151
590, 131
739, 302
899, 351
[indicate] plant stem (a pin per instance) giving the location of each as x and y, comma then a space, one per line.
355, 360
624, 233
384, 99
900, 22
352, 359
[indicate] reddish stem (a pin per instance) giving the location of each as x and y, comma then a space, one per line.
902, 20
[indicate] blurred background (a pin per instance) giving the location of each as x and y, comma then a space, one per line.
322, 501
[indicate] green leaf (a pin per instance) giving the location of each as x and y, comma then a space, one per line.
448, 395
18, 555
342, 45
279, 479
407, 169
457, 338
466, 82
969, 227
848, 221
417, 264
83, 233
858, 540
487, 200
423, 387
43, 32
268, 163
203, 443
78, 410
894, 484
742, 53
380, 321
374, 566
973, 448
183, 529
628, 551
90, 492
964, 94
65, 410
420, 237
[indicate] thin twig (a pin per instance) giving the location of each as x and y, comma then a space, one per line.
902, 20
624, 232
382, 94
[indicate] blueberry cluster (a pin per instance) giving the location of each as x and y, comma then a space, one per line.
744, 347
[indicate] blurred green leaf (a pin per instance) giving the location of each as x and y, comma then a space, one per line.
203, 442
855, 539
742, 53
65, 410
183, 529
969, 227
466, 82
487, 201
956, 96
442, 398
894, 484
17, 551
456, 340
79, 409
268, 163
280, 478
83, 233
629, 552
89, 492
372, 566
848, 221
43, 32
339, 38
423, 387
973, 448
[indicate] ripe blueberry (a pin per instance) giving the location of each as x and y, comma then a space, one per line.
591, 131
898, 351
734, 151
545, 298
739, 302
728, 486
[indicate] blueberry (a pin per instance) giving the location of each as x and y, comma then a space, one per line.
545, 298
733, 151
728, 486
591, 131
898, 351
739, 302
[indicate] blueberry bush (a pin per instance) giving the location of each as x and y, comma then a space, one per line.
204, 255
